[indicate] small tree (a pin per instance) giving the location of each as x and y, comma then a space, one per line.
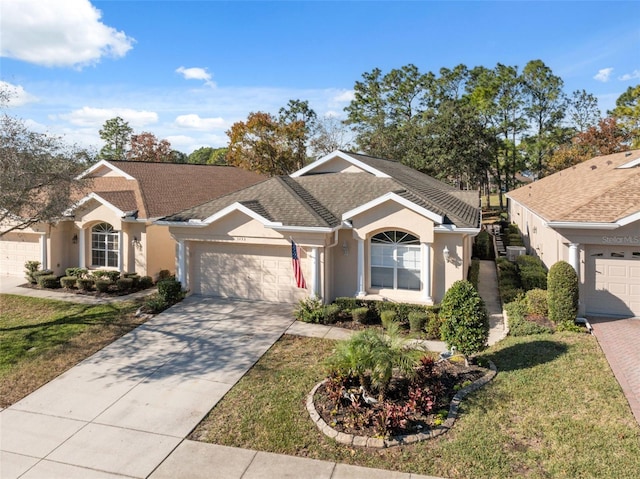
562, 293
465, 320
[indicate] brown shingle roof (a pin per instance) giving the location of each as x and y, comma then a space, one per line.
596, 191
320, 200
160, 189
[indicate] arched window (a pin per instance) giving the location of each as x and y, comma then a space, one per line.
104, 246
395, 261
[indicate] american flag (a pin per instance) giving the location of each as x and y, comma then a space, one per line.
297, 270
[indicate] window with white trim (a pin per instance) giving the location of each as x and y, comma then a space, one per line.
395, 261
105, 246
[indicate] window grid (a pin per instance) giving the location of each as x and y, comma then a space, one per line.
395, 261
105, 243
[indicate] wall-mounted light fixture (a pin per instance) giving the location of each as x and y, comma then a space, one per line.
135, 241
445, 253
74, 240
345, 248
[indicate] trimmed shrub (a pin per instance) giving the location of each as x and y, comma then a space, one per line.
102, 285
164, 274
533, 273
537, 302
417, 321
84, 284
76, 272
347, 304
68, 282
331, 313
433, 326
30, 268
387, 317
38, 274
124, 284
135, 277
562, 287
145, 282
308, 310
170, 291
359, 315
111, 275
465, 319
474, 273
483, 246
48, 281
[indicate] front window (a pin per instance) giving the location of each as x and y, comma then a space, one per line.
104, 246
395, 261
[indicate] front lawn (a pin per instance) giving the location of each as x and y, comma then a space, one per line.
554, 410
40, 339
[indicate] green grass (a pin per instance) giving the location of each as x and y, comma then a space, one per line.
553, 411
39, 339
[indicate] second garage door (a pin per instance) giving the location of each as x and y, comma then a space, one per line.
15, 250
244, 271
613, 281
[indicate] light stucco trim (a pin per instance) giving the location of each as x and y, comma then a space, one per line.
343, 156
398, 199
106, 164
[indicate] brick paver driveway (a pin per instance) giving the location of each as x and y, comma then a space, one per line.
620, 342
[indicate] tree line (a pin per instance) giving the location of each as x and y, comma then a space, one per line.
476, 128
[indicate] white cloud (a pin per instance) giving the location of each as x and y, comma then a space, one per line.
18, 96
344, 97
196, 73
603, 74
630, 76
195, 122
58, 33
95, 117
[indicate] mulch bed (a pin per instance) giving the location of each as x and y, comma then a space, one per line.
448, 377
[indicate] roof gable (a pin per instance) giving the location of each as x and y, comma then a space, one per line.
338, 162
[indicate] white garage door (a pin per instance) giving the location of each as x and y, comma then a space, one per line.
15, 250
244, 271
613, 281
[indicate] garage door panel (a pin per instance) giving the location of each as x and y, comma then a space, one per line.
245, 271
15, 250
613, 282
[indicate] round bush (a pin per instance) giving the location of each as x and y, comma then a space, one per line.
145, 282
102, 285
135, 277
84, 284
68, 282
537, 302
562, 291
124, 284
417, 321
49, 281
465, 319
170, 291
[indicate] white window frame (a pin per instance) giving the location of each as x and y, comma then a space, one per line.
109, 245
390, 250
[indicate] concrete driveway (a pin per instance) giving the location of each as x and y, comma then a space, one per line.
122, 411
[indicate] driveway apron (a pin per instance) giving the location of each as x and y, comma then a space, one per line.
122, 411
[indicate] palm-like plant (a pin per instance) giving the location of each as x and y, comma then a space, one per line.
373, 355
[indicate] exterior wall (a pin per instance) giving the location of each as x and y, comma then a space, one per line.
446, 273
62, 251
552, 245
159, 250
343, 269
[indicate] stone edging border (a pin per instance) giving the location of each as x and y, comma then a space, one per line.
379, 443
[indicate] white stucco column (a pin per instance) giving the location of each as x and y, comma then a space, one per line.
313, 260
181, 263
82, 262
43, 251
120, 251
574, 257
361, 291
426, 272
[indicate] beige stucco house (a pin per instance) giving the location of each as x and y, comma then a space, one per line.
110, 224
589, 216
365, 226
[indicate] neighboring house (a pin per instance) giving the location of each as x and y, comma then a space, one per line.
589, 216
366, 227
110, 225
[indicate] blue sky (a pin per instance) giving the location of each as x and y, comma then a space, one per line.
187, 70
